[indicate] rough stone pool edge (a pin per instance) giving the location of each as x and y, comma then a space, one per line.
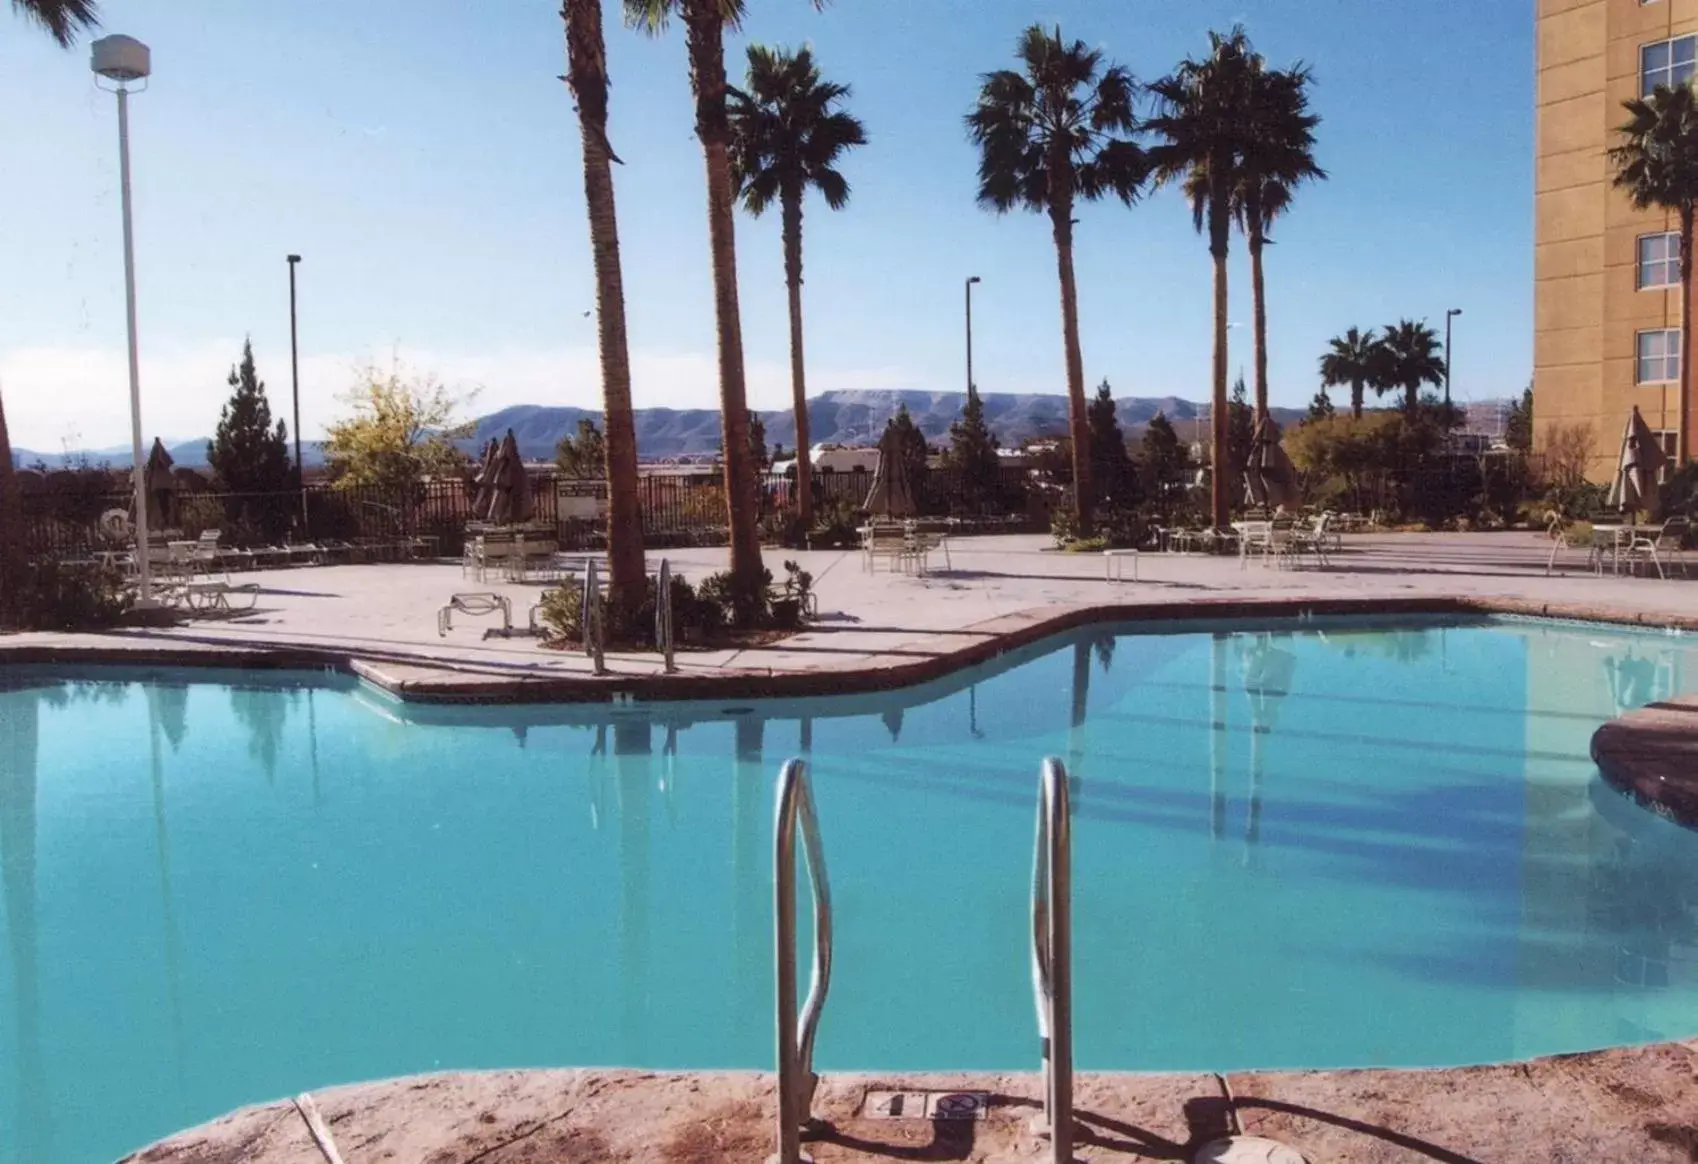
425, 680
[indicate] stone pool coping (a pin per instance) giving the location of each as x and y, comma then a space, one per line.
1623, 1104
930, 656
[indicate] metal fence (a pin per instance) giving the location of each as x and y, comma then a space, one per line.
682, 508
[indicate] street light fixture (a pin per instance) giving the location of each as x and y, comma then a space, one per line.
970, 281
1448, 316
295, 384
123, 60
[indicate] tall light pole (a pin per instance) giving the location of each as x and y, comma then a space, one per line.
973, 279
295, 384
121, 60
1448, 316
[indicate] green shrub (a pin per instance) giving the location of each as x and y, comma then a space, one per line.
64, 596
745, 607
562, 610
837, 525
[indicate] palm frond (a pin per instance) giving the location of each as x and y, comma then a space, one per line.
61, 19
787, 132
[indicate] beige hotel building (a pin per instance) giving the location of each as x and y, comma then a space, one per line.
1606, 296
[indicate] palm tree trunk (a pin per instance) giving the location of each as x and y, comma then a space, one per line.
706, 38
1357, 389
586, 62
1259, 304
1683, 440
1221, 474
1061, 218
11, 526
1411, 399
798, 373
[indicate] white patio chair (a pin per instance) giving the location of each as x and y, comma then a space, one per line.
1665, 546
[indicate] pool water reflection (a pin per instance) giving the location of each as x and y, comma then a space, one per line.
1324, 845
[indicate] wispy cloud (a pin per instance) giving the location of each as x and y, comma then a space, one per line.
80, 395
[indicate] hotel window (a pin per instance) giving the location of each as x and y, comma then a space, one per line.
1668, 442
1667, 62
1659, 260
1659, 356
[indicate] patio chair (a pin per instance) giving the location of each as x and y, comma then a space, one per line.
1667, 545
1283, 542
885, 541
477, 604
1317, 539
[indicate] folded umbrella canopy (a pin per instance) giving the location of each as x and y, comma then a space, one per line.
484, 481
511, 501
159, 485
1635, 485
1270, 479
892, 494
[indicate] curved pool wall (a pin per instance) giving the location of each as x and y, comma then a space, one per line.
1333, 843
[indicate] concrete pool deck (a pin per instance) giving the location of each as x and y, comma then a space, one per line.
875, 630
1619, 1105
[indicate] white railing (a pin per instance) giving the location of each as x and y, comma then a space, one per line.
796, 1078
1052, 952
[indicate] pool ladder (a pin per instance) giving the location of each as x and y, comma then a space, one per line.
592, 617
1052, 955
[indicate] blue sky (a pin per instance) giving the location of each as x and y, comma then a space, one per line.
422, 156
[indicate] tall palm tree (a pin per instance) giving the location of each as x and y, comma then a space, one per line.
1278, 157
787, 135
586, 73
1050, 136
1353, 359
705, 22
62, 20
1657, 164
1406, 357
1202, 122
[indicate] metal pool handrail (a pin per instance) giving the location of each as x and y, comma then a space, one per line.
796, 1078
1052, 951
595, 632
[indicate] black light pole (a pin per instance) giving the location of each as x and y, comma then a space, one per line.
970, 283
1448, 316
295, 383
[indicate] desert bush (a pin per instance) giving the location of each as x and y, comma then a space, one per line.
64, 596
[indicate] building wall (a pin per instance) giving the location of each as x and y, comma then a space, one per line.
1587, 310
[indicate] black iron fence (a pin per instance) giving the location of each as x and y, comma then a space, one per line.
682, 508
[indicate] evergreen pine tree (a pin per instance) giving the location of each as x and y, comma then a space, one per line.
1111, 468
1518, 429
1163, 462
1321, 406
582, 457
249, 454
972, 455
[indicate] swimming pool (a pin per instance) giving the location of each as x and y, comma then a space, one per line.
1329, 844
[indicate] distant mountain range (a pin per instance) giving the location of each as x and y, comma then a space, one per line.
851, 417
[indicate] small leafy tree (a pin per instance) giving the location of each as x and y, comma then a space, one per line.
249, 454
399, 432
972, 455
584, 456
1321, 406
1518, 429
1112, 477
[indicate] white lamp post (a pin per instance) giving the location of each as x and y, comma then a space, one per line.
121, 60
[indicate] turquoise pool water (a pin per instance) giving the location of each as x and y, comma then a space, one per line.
1327, 845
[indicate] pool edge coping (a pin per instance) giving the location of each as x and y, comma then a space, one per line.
428, 680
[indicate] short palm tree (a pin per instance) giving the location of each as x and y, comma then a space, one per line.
1406, 357
1052, 134
62, 20
705, 22
1352, 359
586, 73
787, 136
1202, 123
1657, 164
1278, 157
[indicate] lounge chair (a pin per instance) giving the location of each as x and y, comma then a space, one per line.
476, 604
1667, 546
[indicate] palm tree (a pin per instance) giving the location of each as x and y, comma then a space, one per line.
786, 136
586, 73
1406, 357
705, 22
1657, 164
1354, 360
62, 20
1202, 121
1049, 137
1278, 157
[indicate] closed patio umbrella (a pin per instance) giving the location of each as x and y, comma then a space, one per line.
1270, 479
160, 486
485, 480
892, 494
511, 502
1635, 485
